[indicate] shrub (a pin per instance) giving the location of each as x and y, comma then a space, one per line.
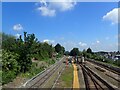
9, 61
8, 76
10, 67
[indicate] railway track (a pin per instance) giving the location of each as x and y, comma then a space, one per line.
93, 81
56, 75
115, 70
39, 81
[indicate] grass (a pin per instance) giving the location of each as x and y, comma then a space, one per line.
36, 68
66, 78
33, 71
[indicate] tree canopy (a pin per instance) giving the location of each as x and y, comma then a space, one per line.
89, 50
59, 49
18, 53
74, 52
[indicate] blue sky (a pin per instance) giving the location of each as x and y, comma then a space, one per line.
73, 24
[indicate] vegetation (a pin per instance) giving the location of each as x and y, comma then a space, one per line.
66, 78
74, 52
7, 41
22, 56
89, 50
10, 66
98, 57
59, 49
33, 70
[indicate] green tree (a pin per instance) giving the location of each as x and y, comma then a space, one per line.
74, 52
8, 41
49, 49
89, 50
23, 48
58, 48
62, 49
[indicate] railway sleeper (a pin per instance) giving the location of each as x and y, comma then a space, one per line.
100, 79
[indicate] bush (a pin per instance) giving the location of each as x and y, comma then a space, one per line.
33, 71
117, 63
50, 61
9, 61
10, 67
8, 76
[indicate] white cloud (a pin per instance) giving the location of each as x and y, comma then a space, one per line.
46, 11
97, 41
17, 35
64, 5
49, 41
50, 8
44, 2
17, 27
69, 45
82, 44
112, 16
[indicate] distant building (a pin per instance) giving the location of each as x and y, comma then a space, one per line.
116, 57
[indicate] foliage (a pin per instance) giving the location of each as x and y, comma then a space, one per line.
32, 71
42, 51
48, 48
74, 52
62, 50
9, 61
8, 76
89, 50
100, 58
117, 62
113, 62
50, 61
22, 47
59, 49
7, 41
10, 67
19, 52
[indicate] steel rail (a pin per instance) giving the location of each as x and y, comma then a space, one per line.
92, 75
